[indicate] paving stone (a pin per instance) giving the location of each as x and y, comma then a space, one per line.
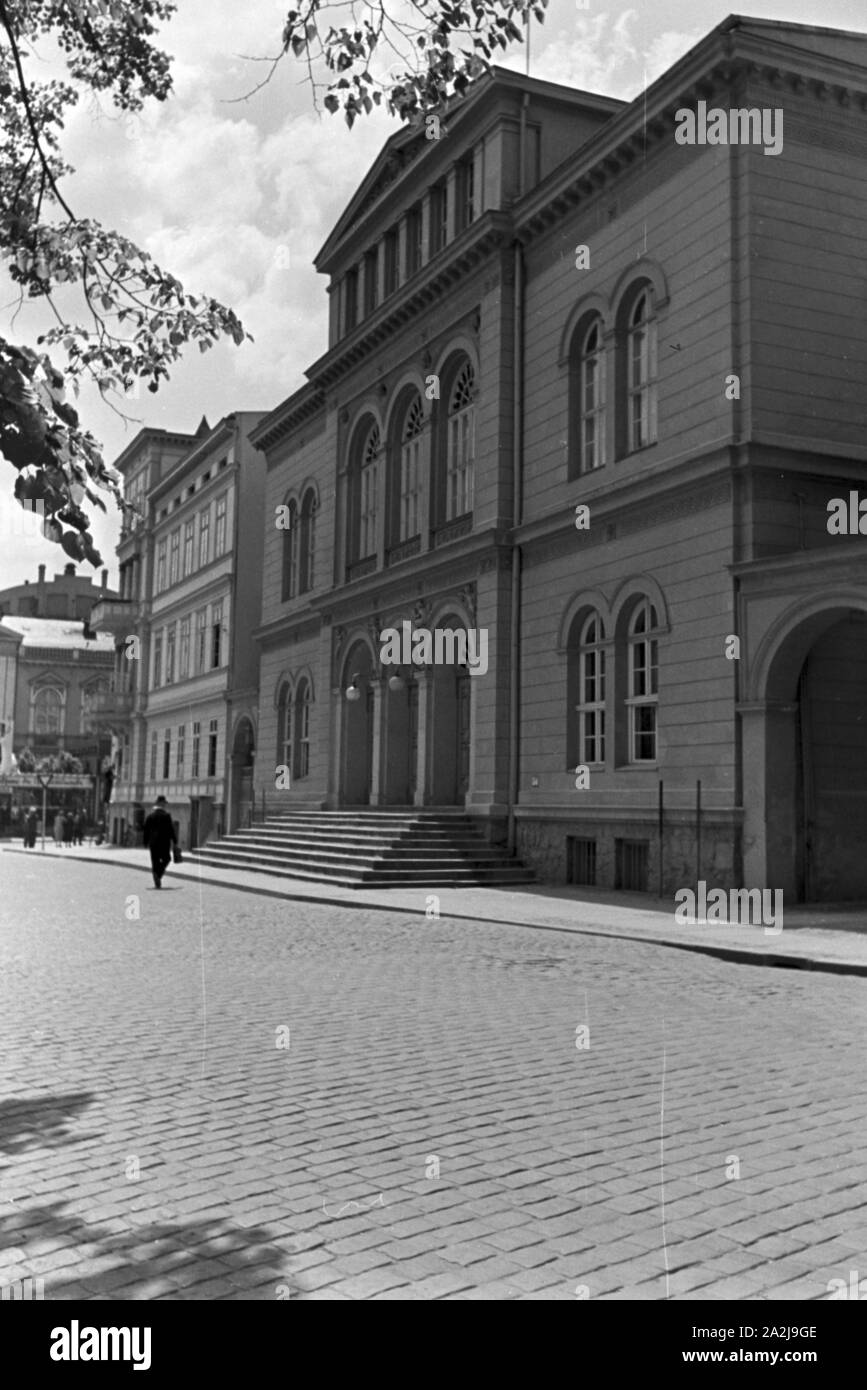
415, 1044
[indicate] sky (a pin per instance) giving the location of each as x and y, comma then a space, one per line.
234, 191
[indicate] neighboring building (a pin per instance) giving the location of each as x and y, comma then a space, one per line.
67, 595
62, 671
190, 595
560, 305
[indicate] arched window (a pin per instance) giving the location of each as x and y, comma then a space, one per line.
591, 399
643, 679
591, 691
308, 542
302, 729
291, 551
367, 494
46, 715
461, 444
410, 471
641, 372
284, 727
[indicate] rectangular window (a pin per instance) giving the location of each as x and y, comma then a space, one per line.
580, 861
220, 526
631, 864
371, 280
175, 557
439, 217
167, 754
591, 710
465, 187
413, 241
171, 635
158, 660
197, 743
216, 634
153, 765
204, 537
201, 641
350, 292
212, 748
162, 550
644, 695
189, 542
391, 261
182, 738
184, 656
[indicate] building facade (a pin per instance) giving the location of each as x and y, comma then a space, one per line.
185, 664
590, 388
67, 595
55, 674
393, 469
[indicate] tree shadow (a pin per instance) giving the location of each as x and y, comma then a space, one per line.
196, 1260
42, 1121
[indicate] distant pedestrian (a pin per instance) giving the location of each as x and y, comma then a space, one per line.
67, 828
30, 821
160, 839
58, 829
78, 828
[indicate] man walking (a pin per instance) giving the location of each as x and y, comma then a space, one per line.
159, 837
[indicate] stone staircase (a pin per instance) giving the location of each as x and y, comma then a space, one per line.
363, 848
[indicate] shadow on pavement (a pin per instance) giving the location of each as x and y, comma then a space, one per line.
44, 1121
157, 1259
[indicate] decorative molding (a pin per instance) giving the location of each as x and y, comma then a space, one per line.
467, 598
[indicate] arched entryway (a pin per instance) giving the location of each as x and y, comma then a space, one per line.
356, 770
814, 760
243, 760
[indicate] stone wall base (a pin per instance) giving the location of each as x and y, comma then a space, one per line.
624, 854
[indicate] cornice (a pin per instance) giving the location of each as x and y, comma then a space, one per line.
221, 433
301, 407
487, 234
625, 139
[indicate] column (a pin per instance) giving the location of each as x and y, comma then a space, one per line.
770, 773
425, 229
377, 790
423, 681
336, 748
402, 251
452, 205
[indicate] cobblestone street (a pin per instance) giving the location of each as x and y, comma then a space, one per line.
237, 1097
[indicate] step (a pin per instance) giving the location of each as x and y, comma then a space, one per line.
366, 877
381, 849
345, 863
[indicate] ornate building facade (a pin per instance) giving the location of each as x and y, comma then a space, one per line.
184, 701
590, 388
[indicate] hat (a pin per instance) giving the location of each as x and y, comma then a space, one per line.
160, 801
